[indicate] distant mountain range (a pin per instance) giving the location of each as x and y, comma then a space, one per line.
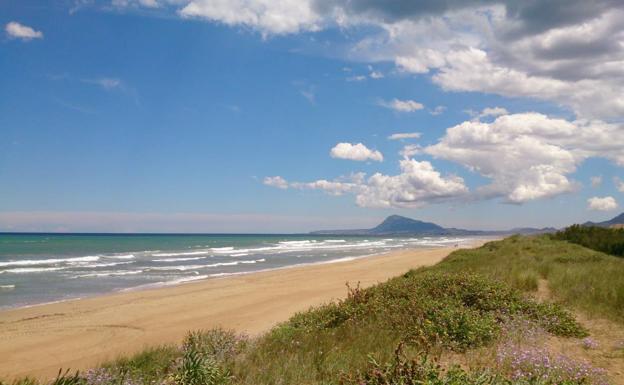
617, 222
399, 225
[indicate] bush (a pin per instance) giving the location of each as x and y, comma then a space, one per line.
610, 241
198, 365
403, 371
457, 311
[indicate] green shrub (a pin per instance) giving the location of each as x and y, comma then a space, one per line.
610, 241
152, 364
418, 371
586, 279
218, 343
198, 365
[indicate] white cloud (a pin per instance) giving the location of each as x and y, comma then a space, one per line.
357, 152
405, 135
420, 61
402, 105
376, 75
19, 31
492, 112
438, 110
417, 185
596, 181
267, 16
602, 204
472, 70
276, 181
410, 150
567, 53
619, 184
528, 156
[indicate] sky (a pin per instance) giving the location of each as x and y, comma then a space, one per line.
298, 115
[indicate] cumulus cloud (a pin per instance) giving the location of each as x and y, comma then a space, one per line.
568, 53
405, 135
528, 156
276, 181
410, 150
401, 105
492, 112
418, 184
357, 152
607, 203
16, 30
596, 181
267, 16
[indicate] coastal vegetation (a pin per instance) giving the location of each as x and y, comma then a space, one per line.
481, 316
607, 240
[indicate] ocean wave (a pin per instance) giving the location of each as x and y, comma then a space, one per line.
182, 253
106, 264
254, 261
240, 255
50, 261
121, 256
199, 267
31, 270
178, 268
7, 287
179, 259
108, 274
184, 280
306, 242
218, 249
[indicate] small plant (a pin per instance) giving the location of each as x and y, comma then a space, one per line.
198, 365
109, 376
65, 378
536, 365
217, 343
419, 371
589, 343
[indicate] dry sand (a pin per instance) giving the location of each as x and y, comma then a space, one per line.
79, 334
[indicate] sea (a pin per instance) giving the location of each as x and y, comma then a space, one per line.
44, 268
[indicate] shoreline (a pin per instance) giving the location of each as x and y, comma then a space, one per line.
82, 333
200, 278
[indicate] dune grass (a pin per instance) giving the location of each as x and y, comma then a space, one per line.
584, 279
394, 332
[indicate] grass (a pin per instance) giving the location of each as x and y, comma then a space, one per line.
581, 278
394, 332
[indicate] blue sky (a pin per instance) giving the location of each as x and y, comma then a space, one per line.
145, 116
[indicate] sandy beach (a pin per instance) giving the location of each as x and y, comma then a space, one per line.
79, 334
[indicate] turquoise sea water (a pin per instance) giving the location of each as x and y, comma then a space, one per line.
39, 268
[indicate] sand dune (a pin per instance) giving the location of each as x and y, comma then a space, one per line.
82, 333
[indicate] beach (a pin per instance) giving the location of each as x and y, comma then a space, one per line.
79, 334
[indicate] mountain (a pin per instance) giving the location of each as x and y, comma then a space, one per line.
398, 225
617, 221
